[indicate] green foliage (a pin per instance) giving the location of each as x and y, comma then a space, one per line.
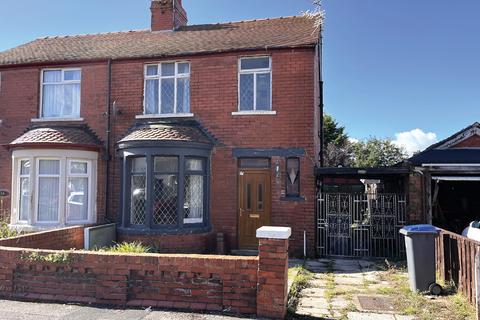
128, 247
5, 231
376, 152
338, 150
57, 257
301, 282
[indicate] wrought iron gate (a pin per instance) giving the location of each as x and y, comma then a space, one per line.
361, 224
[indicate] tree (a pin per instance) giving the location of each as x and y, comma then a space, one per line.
337, 149
376, 152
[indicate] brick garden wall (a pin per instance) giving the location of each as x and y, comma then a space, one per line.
244, 285
62, 239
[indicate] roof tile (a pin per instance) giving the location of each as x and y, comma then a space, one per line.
75, 136
257, 34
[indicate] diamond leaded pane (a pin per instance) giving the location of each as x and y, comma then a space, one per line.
138, 200
165, 200
246, 92
193, 206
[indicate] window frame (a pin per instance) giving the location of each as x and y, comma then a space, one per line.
255, 72
297, 195
42, 84
19, 177
182, 154
37, 183
159, 77
203, 173
65, 157
87, 175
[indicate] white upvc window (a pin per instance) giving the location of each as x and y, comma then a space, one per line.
60, 93
24, 190
78, 190
167, 88
48, 186
255, 84
62, 192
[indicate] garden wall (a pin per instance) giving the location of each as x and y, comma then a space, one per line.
246, 285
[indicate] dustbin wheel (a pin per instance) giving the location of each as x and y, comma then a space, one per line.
435, 289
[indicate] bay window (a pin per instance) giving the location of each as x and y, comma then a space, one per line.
167, 88
165, 191
60, 94
63, 188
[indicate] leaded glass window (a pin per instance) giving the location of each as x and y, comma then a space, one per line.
167, 88
138, 191
255, 84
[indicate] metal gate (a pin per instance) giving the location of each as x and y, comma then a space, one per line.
361, 224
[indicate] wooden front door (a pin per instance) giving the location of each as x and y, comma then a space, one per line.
254, 205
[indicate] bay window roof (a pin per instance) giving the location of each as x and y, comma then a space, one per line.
168, 131
79, 136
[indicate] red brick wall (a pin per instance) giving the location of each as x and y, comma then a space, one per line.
61, 239
246, 285
472, 142
214, 88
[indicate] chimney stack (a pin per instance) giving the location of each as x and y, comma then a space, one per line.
167, 15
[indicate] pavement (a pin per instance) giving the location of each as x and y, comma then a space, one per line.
14, 310
346, 289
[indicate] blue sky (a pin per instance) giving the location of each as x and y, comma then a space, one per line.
390, 67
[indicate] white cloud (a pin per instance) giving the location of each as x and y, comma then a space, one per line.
353, 140
415, 140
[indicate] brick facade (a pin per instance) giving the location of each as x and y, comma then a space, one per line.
246, 285
214, 90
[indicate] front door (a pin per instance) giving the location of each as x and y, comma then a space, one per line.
254, 205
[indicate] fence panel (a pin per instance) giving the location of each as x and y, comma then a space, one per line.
455, 261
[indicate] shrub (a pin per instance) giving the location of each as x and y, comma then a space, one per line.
127, 247
5, 231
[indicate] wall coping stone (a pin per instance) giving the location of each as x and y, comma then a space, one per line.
274, 232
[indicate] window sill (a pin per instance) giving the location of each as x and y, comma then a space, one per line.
168, 115
293, 199
57, 119
254, 113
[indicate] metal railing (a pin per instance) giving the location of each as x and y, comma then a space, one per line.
361, 224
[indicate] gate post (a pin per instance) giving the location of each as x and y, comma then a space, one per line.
272, 272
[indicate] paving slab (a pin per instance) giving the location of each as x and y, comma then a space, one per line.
369, 316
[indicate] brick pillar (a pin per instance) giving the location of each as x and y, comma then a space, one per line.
272, 272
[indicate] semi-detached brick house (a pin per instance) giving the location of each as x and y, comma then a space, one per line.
176, 133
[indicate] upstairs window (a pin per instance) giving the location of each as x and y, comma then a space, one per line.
255, 84
61, 93
167, 88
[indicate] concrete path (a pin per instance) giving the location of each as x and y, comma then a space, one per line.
14, 310
346, 289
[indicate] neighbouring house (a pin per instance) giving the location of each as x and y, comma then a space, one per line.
176, 133
444, 183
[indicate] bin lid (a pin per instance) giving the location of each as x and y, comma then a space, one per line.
419, 229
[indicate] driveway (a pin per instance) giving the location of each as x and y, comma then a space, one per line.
14, 310
371, 290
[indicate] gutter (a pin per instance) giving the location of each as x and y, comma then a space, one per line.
321, 105
107, 156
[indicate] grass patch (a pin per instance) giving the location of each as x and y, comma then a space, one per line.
299, 283
450, 305
128, 247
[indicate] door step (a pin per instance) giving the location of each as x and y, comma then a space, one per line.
246, 253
